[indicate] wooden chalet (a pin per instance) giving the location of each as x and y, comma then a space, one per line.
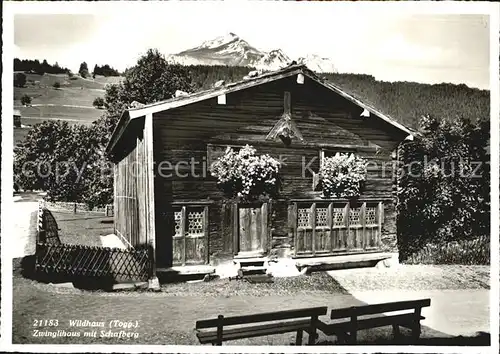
165, 196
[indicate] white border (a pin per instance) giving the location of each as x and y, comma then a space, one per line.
128, 9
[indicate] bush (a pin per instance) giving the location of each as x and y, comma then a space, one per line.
342, 175
56, 85
246, 175
25, 100
98, 102
466, 252
19, 80
444, 185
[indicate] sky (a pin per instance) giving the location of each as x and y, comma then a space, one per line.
392, 46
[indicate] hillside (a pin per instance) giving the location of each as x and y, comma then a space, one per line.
71, 102
404, 101
408, 101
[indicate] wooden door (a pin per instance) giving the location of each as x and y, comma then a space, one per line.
190, 239
252, 229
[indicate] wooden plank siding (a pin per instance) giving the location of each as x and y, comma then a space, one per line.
131, 188
188, 133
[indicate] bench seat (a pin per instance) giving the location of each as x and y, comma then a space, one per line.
217, 330
341, 327
207, 337
352, 319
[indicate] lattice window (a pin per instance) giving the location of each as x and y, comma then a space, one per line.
371, 215
178, 222
321, 217
195, 223
304, 218
354, 214
338, 217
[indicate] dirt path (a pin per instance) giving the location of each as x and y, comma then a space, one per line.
169, 318
22, 242
459, 294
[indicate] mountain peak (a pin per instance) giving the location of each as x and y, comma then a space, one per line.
230, 49
220, 41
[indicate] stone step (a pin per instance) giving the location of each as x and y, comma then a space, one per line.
244, 262
250, 270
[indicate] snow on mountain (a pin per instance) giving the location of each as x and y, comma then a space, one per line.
217, 42
231, 50
273, 60
318, 64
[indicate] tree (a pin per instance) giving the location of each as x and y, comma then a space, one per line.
56, 85
25, 100
58, 158
105, 70
98, 102
19, 80
84, 70
152, 79
68, 161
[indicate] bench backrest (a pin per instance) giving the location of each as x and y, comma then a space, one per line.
379, 308
262, 317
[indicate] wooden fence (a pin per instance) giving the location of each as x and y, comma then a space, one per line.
107, 210
48, 230
107, 264
103, 265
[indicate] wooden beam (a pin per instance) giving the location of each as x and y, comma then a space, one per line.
150, 205
293, 225
287, 104
380, 221
183, 234
221, 99
115, 200
313, 225
206, 230
362, 216
236, 245
347, 209
330, 224
264, 226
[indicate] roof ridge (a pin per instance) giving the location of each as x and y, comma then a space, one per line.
226, 86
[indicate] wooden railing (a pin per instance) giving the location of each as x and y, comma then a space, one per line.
322, 227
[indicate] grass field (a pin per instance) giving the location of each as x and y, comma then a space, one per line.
82, 228
72, 102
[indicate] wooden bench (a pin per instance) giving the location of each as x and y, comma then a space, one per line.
299, 320
346, 330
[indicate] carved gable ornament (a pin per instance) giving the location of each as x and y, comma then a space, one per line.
285, 128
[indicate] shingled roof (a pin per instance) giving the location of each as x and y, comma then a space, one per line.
291, 70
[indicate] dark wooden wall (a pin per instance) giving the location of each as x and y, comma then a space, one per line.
325, 120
